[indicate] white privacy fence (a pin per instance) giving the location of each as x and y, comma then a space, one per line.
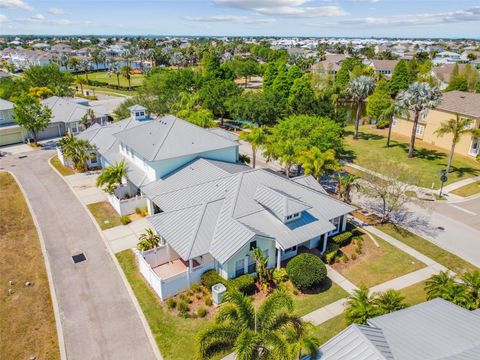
127, 206
167, 287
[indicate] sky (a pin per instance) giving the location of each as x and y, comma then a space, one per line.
352, 18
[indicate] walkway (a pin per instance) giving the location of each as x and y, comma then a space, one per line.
98, 316
336, 308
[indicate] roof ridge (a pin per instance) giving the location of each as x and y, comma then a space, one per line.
358, 327
197, 227
164, 138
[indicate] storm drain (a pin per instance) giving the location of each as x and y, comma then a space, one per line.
23, 156
78, 258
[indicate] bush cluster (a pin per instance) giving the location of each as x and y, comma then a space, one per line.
343, 238
125, 220
107, 85
244, 283
280, 275
210, 278
330, 253
306, 271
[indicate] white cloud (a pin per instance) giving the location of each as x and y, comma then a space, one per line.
3, 19
62, 22
293, 8
15, 4
37, 17
56, 11
471, 14
229, 18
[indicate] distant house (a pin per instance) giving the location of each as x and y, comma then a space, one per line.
331, 64
67, 114
453, 102
433, 330
448, 57
383, 67
210, 210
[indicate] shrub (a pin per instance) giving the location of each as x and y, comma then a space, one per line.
382, 124
210, 278
306, 271
183, 297
125, 220
208, 301
182, 306
358, 249
330, 253
244, 283
198, 296
280, 275
201, 312
343, 238
171, 303
345, 258
354, 256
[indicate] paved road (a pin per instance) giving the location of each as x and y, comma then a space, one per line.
98, 317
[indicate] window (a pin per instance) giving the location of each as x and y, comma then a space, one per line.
253, 245
293, 248
252, 265
293, 216
420, 130
475, 149
93, 158
337, 223
239, 267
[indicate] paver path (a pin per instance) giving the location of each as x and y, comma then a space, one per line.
98, 316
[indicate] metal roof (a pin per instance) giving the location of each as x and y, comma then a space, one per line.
224, 133
241, 216
169, 137
70, 109
6, 105
309, 181
433, 330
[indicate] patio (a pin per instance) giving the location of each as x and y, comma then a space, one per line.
169, 269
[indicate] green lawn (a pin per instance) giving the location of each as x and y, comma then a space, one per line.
103, 76
174, 335
378, 264
427, 248
414, 294
105, 215
468, 190
330, 328
111, 92
64, 170
428, 162
306, 303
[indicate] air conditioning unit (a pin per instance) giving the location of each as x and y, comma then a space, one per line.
218, 290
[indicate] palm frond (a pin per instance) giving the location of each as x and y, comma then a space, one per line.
216, 339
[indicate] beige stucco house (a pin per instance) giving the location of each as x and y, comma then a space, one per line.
454, 102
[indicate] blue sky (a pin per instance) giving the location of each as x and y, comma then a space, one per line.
421, 18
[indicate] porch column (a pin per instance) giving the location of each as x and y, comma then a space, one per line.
325, 239
190, 265
279, 258
344, 223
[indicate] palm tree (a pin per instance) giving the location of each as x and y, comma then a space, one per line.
389, 301
262, 333
88, 119
85, 66
437, 285
115, 69
77, 150
359, 89
471, 282
288, 155
80, 81
302, 339
148, 240
456, 128
262, 262
126, 72
388, 115
360, 307
73, 64
112, 176
345, 184
418, 98
316, 162
256, 138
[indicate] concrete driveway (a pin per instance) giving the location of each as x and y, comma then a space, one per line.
98, 316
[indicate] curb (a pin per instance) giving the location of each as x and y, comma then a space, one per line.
146, 327
53, 294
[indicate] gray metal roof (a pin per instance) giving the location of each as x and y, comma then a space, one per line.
241, 216
170, 137
433, 330
436, 329
224, 133
69, 109
6, 105
309, 181
356, 342
136, 108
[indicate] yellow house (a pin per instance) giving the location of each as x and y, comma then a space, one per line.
454, 102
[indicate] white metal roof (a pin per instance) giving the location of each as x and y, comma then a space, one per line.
69, 109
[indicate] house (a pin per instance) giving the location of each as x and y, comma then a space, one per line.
331, 64
448, 57
67, 114
442, 73
453, 102
433, 330
383, 67
209, 210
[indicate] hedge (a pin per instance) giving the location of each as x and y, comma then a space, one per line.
343, 238
306, 271
244, 283
210, 278
330, 253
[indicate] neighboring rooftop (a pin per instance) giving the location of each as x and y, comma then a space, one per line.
433, 330
6, 105
461, 102
68, 110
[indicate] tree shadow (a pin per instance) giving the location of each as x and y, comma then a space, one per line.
461, 171
324, 286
